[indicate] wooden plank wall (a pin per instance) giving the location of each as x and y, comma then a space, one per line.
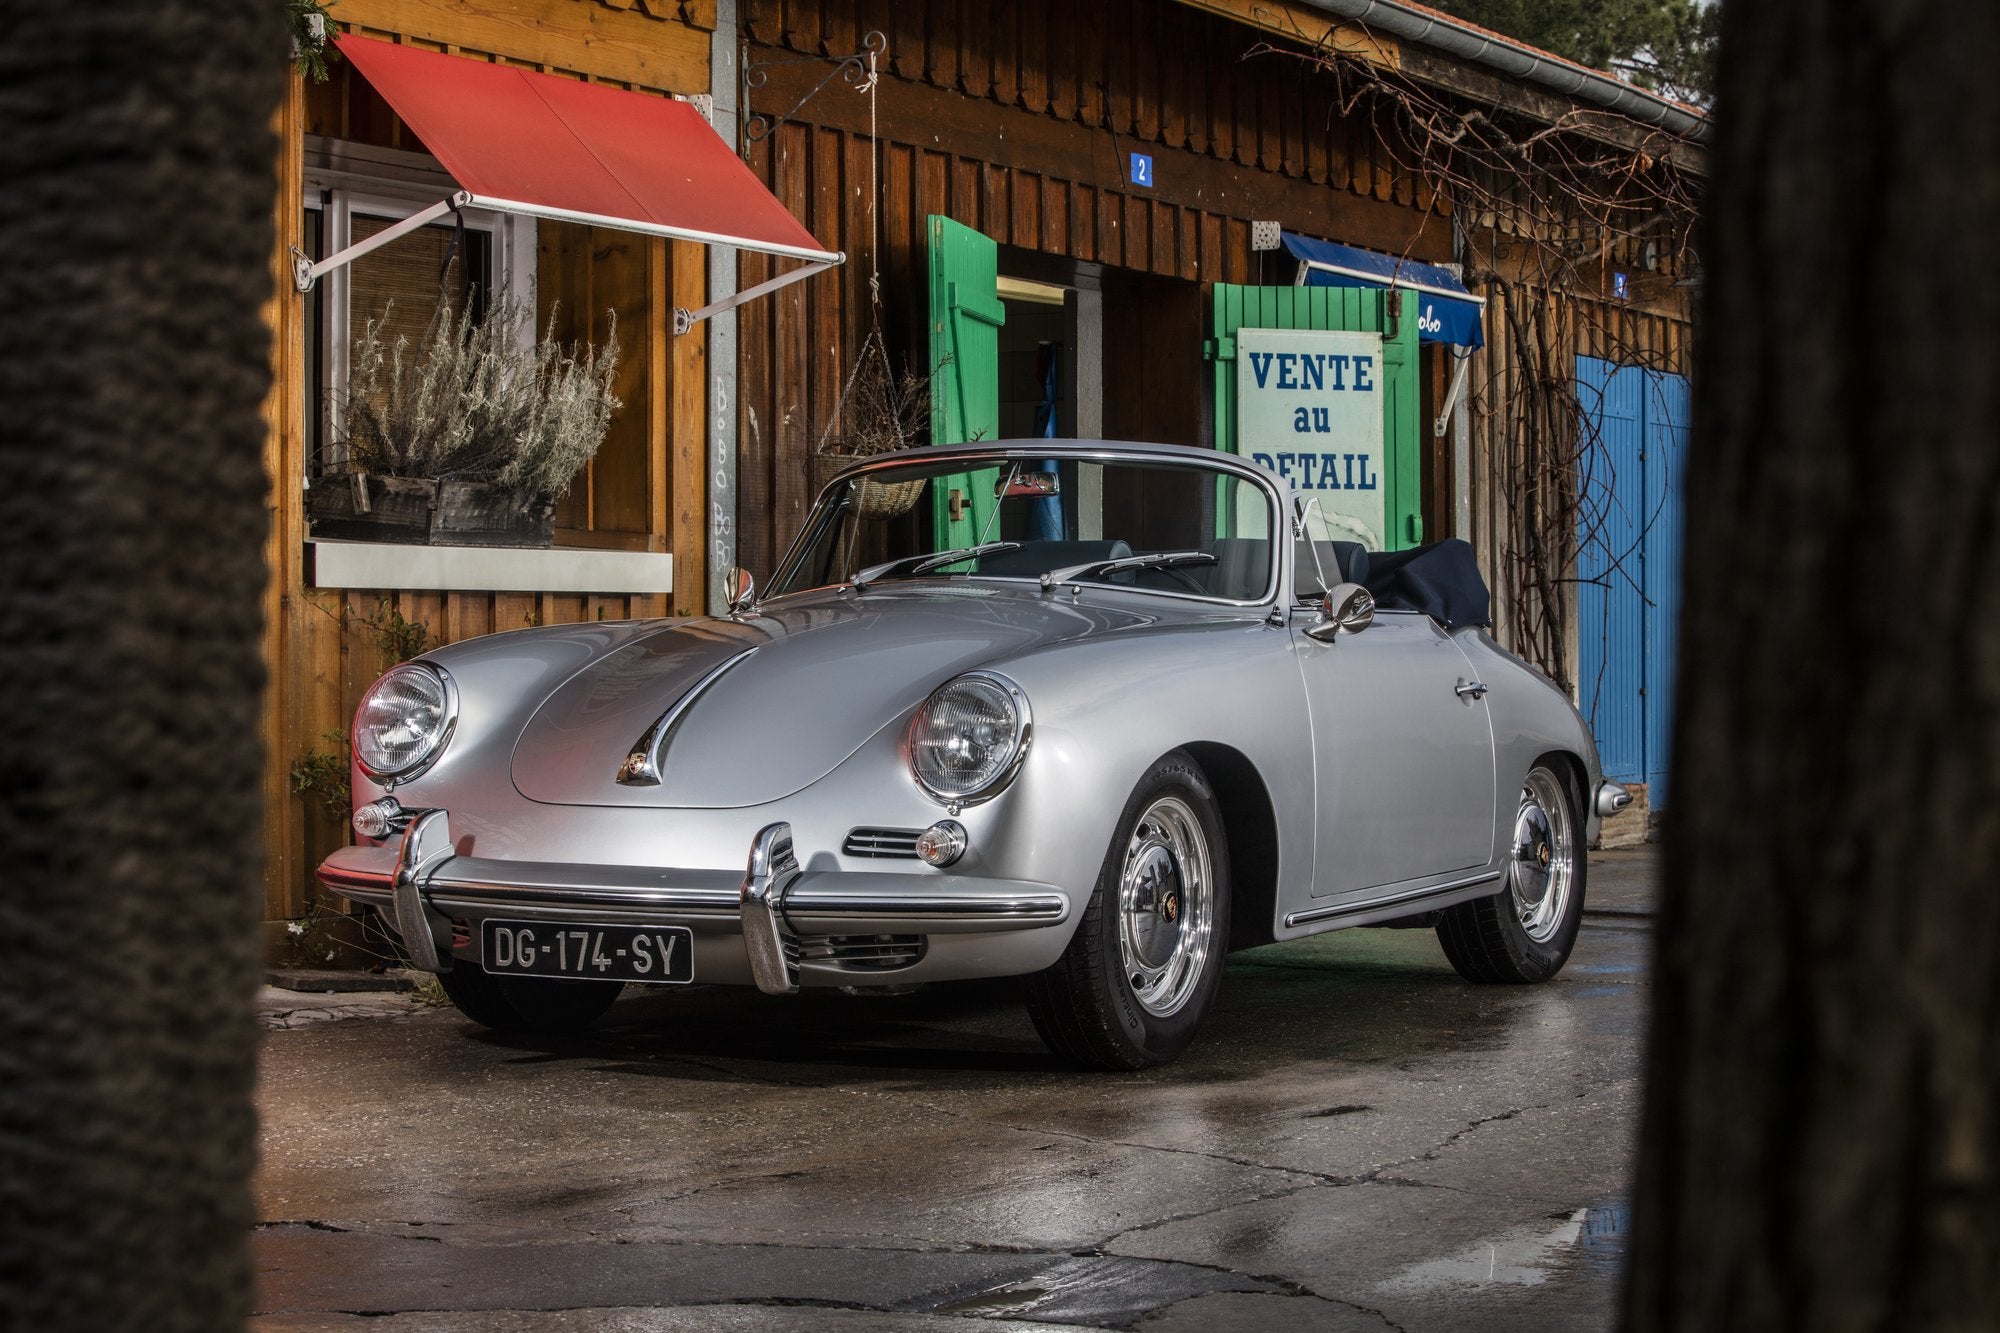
324, 647
1017, 119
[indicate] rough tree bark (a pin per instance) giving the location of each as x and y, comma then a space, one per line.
137, 158
1822, 1140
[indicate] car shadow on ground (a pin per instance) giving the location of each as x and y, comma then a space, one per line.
1362, 996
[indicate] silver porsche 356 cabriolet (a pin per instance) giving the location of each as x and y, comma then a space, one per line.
1088, 714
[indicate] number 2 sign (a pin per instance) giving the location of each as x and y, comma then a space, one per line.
1142, 169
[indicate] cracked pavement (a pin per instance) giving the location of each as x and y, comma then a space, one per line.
1359, 1140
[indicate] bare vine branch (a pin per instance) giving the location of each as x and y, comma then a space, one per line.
1542, 212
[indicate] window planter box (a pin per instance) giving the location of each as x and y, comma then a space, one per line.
419, 511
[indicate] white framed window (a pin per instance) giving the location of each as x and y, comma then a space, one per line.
352, 191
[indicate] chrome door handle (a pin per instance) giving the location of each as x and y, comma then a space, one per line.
1471, 689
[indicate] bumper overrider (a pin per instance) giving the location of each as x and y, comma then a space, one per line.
776, 925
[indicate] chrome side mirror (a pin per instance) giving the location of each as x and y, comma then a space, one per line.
745, 591
1347, 608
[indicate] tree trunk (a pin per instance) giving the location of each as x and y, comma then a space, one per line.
1821, 1146
136, 157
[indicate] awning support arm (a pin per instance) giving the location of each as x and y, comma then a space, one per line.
305, 272
685, 320
1451, 396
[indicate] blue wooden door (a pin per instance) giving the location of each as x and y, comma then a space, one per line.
1628, 564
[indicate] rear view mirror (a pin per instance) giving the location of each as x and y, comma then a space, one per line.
1027, 483
743, 590
1347, 608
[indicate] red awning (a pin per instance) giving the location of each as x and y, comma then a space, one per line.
519, 141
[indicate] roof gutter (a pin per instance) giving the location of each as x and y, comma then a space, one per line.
1427, 27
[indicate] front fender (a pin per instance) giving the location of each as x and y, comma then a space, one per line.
1104, 710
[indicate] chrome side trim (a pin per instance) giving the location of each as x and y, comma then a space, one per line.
642, 766
769, 875
1028, 907
1388, 900
425, 847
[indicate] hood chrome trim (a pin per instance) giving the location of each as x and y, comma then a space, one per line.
642, 766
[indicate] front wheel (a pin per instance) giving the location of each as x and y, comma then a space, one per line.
1142, 968
1526, 932
526, 1004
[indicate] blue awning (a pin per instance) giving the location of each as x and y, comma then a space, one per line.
1446, 311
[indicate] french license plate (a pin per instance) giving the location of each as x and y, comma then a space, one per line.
604, 953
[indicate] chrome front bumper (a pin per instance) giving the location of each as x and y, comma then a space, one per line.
748, 927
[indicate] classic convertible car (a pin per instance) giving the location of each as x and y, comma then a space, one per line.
1089, 714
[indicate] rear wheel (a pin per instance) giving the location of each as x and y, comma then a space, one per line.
1142, 968
1526, 932
526, 1004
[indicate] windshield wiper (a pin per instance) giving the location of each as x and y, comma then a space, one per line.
913, 565
1157, 560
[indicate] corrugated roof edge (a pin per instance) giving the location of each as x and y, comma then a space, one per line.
1468, 41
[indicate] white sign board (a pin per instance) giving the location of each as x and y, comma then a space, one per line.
1309, 407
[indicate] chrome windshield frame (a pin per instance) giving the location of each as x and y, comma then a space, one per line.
970, 456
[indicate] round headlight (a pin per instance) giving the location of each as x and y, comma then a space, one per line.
969, 738
404, 721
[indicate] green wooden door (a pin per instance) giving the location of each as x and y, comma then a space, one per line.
1348, 309
966, 315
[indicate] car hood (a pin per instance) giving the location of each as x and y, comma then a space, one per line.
768, 703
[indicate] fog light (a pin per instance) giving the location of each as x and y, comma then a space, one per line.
379, 819
942, 843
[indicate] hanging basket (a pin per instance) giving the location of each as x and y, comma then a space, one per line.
874, 415
871, 499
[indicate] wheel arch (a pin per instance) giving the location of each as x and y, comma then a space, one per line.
1250, 824
1572, 766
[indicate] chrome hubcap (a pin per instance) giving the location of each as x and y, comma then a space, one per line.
1544, 857
1164, 922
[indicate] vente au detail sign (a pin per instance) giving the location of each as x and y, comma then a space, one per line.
1309, 407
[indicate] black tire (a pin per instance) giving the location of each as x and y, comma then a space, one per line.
1158, 916
1523, 934
526, 1004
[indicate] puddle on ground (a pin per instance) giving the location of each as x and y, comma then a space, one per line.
1524, 1256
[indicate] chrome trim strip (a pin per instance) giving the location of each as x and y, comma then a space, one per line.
1390, 900
684, 901
476, 882
1028, 907
642, 766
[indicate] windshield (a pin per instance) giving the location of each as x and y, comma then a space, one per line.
1094, 520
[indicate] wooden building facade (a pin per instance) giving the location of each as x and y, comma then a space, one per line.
1118, 158
349, 163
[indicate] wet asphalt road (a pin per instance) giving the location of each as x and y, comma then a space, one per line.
1359, 1140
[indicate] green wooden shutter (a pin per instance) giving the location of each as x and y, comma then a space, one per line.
966, 315
1352, 309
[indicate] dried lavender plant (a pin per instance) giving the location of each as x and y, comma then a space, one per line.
473, 402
